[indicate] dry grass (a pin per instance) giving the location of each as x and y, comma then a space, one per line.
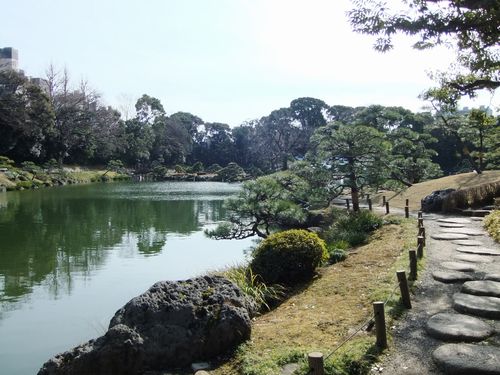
321, 315
418, 191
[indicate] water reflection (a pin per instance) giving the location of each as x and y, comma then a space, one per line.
48, 235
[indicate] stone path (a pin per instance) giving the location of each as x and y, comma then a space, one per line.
478, 298
455, 318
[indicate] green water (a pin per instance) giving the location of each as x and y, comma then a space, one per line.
71, 256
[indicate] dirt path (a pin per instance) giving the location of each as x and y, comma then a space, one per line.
412, 348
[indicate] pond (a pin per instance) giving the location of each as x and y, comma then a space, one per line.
71, 256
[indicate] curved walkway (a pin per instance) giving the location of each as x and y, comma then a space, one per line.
454, 326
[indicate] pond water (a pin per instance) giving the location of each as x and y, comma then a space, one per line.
71, 256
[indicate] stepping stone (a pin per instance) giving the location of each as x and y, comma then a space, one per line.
459, 266
455, 220
482, 288
492, 276
468, 243
467, 231
458, 327
478, 250
451, 225
473, 258
449, 236
468, 359
486, 307
449, 277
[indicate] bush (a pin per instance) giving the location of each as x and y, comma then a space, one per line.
336, 254
232, 173
179, 169
492, 224
288, 257
214, 168
353, 228
475, 196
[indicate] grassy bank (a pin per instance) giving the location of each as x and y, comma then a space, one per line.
418, 191
319, 315
17, 179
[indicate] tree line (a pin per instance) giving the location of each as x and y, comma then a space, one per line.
71, 125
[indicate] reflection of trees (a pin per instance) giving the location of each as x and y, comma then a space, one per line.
48, 235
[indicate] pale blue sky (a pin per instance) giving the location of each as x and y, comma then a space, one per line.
223, 60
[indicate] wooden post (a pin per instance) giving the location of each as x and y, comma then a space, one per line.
413, 264
423, 235
420, 214
421, 230
403, 287
420, 240
378, 311
387, 207
420, 222
369, 204
347, 203
383, 200
407, 212
420, 250
316, 365
367, 197
407, 203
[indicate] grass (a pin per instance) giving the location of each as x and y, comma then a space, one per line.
418, 191
324, 312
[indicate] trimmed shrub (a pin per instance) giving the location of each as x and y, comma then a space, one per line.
336, 255
214, 168
288, 257
492, 224
475, 196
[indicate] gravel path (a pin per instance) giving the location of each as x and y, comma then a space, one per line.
412, 348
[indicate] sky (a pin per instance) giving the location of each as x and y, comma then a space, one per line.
223, 60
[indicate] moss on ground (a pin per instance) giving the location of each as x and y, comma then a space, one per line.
321, 314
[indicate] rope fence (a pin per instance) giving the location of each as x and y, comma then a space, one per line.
316, 360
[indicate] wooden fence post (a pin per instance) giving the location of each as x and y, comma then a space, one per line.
367, 197
378, 311
383, 200
316, 365
420, 222
407, 202
387, 208
407, 212
347, 203
413, 264
369, 204
420, 250
403, 287
420, 214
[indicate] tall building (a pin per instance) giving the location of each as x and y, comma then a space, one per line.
8, 59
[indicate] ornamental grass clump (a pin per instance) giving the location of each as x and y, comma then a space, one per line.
288, 257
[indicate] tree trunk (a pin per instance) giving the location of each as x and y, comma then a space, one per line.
354, 186
355, 198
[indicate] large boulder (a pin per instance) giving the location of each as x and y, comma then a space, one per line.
171, 325
434, 201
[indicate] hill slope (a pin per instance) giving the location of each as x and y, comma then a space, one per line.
418, 191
